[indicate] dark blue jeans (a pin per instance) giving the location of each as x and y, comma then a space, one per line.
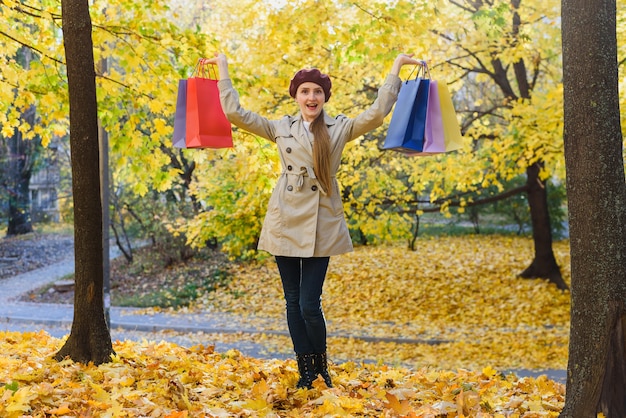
303, 279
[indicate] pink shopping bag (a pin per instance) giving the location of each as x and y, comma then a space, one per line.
181, 115
434, 135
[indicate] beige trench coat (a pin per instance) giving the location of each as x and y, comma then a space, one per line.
302, 220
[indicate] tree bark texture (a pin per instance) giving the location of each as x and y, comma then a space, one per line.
89, 340
596, 189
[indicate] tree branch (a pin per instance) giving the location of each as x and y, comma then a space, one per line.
490, 199
448, 201
6, 35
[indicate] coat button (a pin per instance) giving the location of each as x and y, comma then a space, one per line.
314, 188
289, 168
290, 187
288, 150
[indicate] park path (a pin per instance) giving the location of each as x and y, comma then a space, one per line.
126, 323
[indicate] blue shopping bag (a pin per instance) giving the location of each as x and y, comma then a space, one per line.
420, 110
408, 121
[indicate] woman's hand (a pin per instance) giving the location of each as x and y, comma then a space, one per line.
221, 62
404, 59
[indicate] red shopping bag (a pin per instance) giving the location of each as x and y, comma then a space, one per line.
206, 124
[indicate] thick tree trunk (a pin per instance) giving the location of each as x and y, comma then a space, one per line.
89, 340
544, 264
596, 371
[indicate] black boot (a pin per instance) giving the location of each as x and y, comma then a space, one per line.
306, 367
321, 368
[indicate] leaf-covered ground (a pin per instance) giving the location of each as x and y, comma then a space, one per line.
460, 296
164, 380
461, 293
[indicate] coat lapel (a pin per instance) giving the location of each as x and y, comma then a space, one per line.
302, 135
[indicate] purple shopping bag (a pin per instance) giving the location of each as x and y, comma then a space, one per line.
181, 115
434, 136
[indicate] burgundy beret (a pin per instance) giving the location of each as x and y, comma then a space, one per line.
312, 75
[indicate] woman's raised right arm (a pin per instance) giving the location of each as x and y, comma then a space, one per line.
237, 115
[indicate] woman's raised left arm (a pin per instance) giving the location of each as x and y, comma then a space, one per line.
373, 117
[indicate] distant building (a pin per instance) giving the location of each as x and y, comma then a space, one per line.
44, 186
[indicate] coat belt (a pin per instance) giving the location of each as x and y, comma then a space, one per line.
304, 172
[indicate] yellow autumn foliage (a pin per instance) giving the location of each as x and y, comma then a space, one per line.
149, 49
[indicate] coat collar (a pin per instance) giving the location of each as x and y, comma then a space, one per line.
329, 121
302, 135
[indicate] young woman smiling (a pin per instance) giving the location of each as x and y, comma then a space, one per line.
305, 225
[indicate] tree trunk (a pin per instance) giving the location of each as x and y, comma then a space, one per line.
544, 264
596, 370
89, 340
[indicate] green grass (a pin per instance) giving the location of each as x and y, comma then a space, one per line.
177, 295
53, 228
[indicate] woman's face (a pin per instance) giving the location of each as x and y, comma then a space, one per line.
310, 97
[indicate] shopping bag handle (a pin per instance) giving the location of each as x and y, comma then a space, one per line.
423, 69
204, 70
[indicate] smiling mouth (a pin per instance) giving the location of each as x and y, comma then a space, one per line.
311, 106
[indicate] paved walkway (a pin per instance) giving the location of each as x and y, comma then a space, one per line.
136, 324
126, 323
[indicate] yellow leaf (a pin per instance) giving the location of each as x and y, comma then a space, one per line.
62, 409
400, 407
257, 404
20, 401
177, 414
489, 372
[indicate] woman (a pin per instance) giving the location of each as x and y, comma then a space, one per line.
304, 224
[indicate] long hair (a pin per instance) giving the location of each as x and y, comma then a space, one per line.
321, 153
